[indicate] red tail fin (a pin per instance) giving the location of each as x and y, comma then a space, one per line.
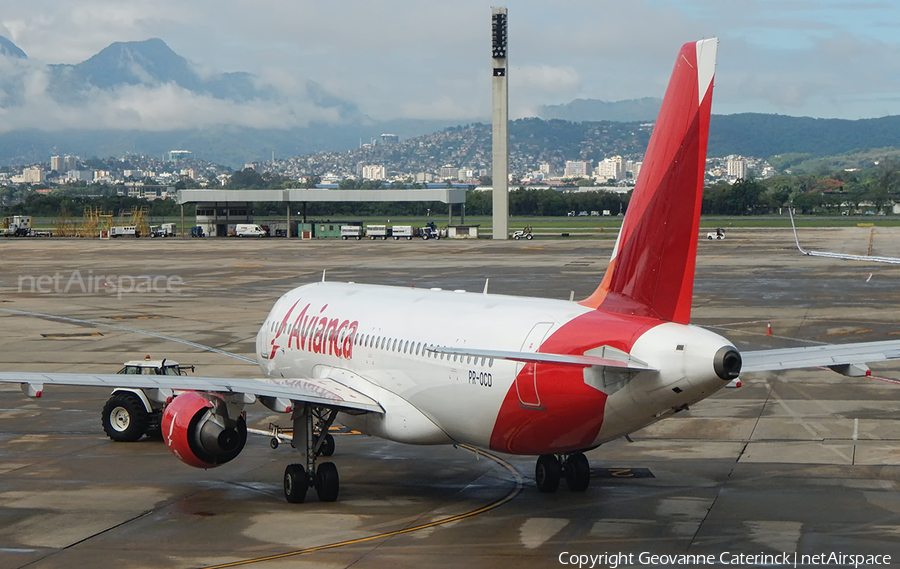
651, 272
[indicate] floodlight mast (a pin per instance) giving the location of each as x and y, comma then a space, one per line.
500, 120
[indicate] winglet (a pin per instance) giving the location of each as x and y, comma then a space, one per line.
651, 272
794, 227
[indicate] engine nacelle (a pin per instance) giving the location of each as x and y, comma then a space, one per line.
198, 431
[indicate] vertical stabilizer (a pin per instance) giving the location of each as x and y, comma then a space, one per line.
651, 272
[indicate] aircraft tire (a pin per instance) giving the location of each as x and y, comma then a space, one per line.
154, 428
547, 473
327, 482
124, 418
327, 448
578, 472
296, 483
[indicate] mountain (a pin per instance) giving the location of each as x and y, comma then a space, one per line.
151, 63
632, 110
10, 49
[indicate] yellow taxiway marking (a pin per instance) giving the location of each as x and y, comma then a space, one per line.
499, 502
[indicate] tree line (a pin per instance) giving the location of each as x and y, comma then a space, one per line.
872, 189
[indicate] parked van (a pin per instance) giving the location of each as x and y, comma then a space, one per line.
249, 230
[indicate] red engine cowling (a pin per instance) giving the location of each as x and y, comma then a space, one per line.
197, 431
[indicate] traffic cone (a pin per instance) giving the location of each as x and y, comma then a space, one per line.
768, 329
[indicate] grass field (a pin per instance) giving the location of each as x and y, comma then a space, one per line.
578, 226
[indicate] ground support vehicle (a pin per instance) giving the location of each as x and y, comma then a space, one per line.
124, 230
351, 232
378, 231
407, 231
523, 234
430, 231
249, 230
718, 234
16, 226
197, 231
129, 414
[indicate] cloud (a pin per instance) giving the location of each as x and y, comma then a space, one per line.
26, 103
412, 59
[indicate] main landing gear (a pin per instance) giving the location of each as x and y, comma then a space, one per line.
550, 468
311, 436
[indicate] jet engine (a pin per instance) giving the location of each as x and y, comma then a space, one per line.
198, 430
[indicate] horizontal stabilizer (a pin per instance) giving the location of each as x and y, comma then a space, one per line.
540, 357
322, 391
826, 355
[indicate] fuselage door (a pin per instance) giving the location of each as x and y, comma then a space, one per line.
526, 374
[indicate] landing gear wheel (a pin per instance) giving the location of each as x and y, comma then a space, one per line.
327, 482
327, 448
547, 472
578, 472
124, 418
154, 430
296, 483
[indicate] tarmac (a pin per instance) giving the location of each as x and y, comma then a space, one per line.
804, 462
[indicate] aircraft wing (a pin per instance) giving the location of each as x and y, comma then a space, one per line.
542, 357
840, 357
892, 260
322, 391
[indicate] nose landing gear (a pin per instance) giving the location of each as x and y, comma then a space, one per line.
550, 468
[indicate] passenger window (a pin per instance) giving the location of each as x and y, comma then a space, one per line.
482, 362
491, 362
418, 347
406, 347
394, 345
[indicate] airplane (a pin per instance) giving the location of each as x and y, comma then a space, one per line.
892, 260
526, 376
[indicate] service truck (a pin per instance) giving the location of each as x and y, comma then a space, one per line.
351, 232
123, 230
378, 231
407, 231
249, 230
16, 226
164, 230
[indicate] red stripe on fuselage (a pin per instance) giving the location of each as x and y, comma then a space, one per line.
571, 412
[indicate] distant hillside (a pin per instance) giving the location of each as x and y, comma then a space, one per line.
754, 134
578, 110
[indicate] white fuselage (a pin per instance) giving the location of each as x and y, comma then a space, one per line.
374, 339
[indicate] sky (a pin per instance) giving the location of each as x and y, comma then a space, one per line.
431, 59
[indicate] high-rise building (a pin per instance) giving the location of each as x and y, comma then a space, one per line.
577, 168
611, 169
737, 167
373, 172
69, 163
56, 163
389, 139
635, 170
33, 175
